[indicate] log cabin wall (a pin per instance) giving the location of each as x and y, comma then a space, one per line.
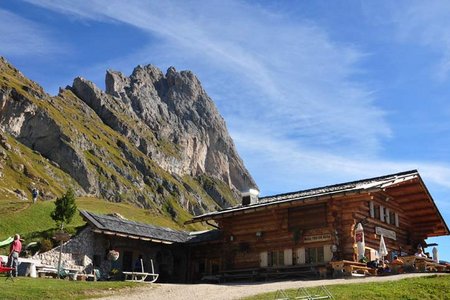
297, 234
288, 235
312, 227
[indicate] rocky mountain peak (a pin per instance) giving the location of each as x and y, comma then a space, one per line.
178, 110
150, 138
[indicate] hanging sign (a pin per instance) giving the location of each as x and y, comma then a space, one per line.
390, 234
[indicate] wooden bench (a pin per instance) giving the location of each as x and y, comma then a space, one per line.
348, 267
297, 271
241, 274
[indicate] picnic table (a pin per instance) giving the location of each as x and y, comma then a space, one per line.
422, 264
349, 267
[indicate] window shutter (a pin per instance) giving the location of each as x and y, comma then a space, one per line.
327, 254
396, 220
382, 213
372, 210
288, 257
388, 217
301, 256
263, 259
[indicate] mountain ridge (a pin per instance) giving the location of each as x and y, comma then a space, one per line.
152, 139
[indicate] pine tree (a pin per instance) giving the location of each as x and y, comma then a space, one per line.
65, 209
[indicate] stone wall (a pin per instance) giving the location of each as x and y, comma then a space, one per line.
88, 248
77, 253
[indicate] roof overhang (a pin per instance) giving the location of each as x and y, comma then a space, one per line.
418, 204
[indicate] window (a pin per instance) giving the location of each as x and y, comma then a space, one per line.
376, 210
276, 258
392, 218
314, 255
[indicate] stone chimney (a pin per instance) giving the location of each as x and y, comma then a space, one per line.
250, 197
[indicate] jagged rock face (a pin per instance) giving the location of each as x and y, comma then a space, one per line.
178, 110
152, 139
36, 129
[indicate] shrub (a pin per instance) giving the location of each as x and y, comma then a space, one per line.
46, 245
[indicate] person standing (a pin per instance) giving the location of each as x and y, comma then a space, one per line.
14, 251
35, 194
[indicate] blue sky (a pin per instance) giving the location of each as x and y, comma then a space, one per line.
313, 92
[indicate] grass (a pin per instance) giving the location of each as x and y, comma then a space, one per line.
430, 287
25, 288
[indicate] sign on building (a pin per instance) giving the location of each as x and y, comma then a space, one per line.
386, 233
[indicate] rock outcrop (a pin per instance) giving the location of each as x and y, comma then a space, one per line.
153, 139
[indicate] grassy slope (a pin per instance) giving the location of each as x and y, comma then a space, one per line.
432, 287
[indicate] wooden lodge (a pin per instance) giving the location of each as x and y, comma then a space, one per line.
290, 234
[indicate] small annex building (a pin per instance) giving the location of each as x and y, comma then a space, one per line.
89, 249
312, 227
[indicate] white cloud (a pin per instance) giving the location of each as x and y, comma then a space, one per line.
300, 80
283, 79
19, 36
288, 162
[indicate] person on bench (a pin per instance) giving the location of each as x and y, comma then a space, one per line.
420, 253
373, 264
397, 265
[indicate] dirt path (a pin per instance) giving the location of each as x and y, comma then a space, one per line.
235, 290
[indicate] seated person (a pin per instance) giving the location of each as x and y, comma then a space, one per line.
420, 253
397, 265
373, 264
397, 261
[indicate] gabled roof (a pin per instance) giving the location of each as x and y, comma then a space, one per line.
113, 225
117, 226
375, 184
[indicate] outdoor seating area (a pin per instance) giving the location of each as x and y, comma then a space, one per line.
410, 264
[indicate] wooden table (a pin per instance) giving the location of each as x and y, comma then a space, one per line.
422, 264
350, 267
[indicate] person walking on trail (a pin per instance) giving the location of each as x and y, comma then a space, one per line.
35, 194
14, 251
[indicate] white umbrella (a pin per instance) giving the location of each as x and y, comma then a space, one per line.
359, 237
382, 250
435, 255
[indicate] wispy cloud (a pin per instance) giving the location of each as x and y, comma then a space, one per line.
19, 36
428, 24
289, 161
300, 80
